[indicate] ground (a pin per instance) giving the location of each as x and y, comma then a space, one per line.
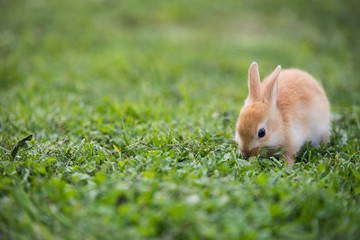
133, 104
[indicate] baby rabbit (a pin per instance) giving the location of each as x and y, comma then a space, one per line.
288, 109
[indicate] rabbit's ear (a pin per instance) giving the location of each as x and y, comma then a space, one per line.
271, 91
254, 83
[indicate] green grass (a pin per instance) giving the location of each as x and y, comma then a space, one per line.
133, 106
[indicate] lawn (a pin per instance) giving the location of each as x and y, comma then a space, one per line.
133, 104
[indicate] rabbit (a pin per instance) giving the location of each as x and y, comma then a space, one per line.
287, 110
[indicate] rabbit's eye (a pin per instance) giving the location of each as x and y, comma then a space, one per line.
261, 133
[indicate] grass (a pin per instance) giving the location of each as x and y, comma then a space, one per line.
133, 105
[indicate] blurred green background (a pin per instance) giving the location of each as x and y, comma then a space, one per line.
126, 48
67, 54
133, 106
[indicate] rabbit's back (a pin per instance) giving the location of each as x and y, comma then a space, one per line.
303, 106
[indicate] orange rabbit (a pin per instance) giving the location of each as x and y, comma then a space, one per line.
288, 109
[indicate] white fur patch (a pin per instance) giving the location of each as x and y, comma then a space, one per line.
313, 128
298, 134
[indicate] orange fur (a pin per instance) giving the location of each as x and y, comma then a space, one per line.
254, 83
292, 107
